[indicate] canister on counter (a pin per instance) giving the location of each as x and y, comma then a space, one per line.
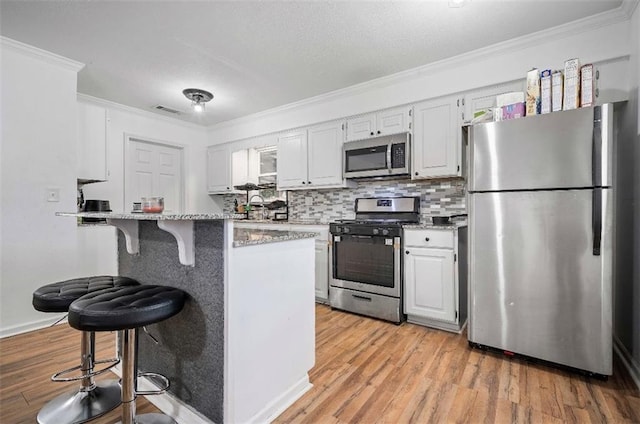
571, 84
586, 86
533, 92
545, 91
557, 89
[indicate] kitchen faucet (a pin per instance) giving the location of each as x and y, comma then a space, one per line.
263, 209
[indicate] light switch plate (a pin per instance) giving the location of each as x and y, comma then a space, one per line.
53, 194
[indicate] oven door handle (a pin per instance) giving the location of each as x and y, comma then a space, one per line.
389, 164
362, 237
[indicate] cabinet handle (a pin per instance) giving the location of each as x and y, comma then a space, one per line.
227, 188
308, 182
371, 132
303, 182
365, 298
426, 239
417, 173
378, 131
407, 252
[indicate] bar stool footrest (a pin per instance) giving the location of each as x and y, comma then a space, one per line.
165, 384
57, 376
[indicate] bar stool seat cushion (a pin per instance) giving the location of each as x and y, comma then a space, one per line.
57, 297
122, 308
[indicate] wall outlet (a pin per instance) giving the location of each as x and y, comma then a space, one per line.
308, 201
53, 194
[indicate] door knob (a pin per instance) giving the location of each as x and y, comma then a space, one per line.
426, 239
407, 252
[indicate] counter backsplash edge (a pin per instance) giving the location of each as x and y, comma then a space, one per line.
437, 197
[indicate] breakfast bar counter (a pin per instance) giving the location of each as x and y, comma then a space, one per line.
241, 348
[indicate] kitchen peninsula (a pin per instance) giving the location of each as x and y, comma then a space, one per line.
241, 349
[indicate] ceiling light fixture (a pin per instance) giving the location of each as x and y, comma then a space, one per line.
198, 98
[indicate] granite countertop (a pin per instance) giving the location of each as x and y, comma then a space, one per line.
152, 216
250, 237
292, 222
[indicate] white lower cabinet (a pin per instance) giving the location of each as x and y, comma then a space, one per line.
435, 292
322, 250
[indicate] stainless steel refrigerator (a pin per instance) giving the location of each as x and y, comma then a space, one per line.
540, 237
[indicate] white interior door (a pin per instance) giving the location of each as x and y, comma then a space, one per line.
154, 169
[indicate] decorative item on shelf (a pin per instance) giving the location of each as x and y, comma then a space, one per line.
198, 98
137, 207
152, 204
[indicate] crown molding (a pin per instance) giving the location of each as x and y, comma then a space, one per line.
139, 112
44, 55
620, 14
629, 6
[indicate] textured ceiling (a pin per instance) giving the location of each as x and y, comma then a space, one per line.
256, 55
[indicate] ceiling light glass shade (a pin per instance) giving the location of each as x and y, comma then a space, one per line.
458, 3
198, 98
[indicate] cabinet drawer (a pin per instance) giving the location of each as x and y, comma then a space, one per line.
429, 238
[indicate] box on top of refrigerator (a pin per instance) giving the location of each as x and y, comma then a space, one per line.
557, 89
533, 92
571, 84
545, 91
587, 97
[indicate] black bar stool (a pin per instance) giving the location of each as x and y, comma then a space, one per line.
92, 399
127, 309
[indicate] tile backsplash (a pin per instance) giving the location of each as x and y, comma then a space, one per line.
437, 197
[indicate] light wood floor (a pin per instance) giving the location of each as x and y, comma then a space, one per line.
366, 371
28, 360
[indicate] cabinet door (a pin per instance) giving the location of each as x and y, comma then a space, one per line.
429, 283
292, 160
322, 270
361, 127
485, 98
325, 154
240, 168
219, 169
92, 142
436, 139
393, 121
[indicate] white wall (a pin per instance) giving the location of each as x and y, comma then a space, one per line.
593, 40
38, 116
146, 126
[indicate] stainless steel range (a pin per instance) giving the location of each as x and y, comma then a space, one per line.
365, 261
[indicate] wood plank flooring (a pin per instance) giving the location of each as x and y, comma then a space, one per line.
28, 360
369, 371
366, 371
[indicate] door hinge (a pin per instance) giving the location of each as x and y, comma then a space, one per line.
410, 112
458, 168
342, 127
463, 101
455, 257
456, 314
458, 102
409, 125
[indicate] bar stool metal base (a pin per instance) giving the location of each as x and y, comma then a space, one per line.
80, 406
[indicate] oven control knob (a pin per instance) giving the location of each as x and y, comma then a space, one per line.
345, 230
338, 229
385, 232
375, 231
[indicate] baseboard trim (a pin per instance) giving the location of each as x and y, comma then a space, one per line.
31, 326
168, 404
279, 405
627, 360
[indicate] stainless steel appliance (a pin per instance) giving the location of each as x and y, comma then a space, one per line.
540, 237
366, 266
378, 157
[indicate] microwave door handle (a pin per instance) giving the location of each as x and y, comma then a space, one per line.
389, 156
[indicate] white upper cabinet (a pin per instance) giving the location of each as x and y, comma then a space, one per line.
292, 160
93, 123
485, 98
311, 158
390, 121
325, 154
436, 139
219, 170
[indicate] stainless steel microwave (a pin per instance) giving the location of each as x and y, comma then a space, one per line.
384, 156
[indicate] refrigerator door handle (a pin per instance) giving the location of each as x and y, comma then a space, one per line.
596, 149
596, 209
